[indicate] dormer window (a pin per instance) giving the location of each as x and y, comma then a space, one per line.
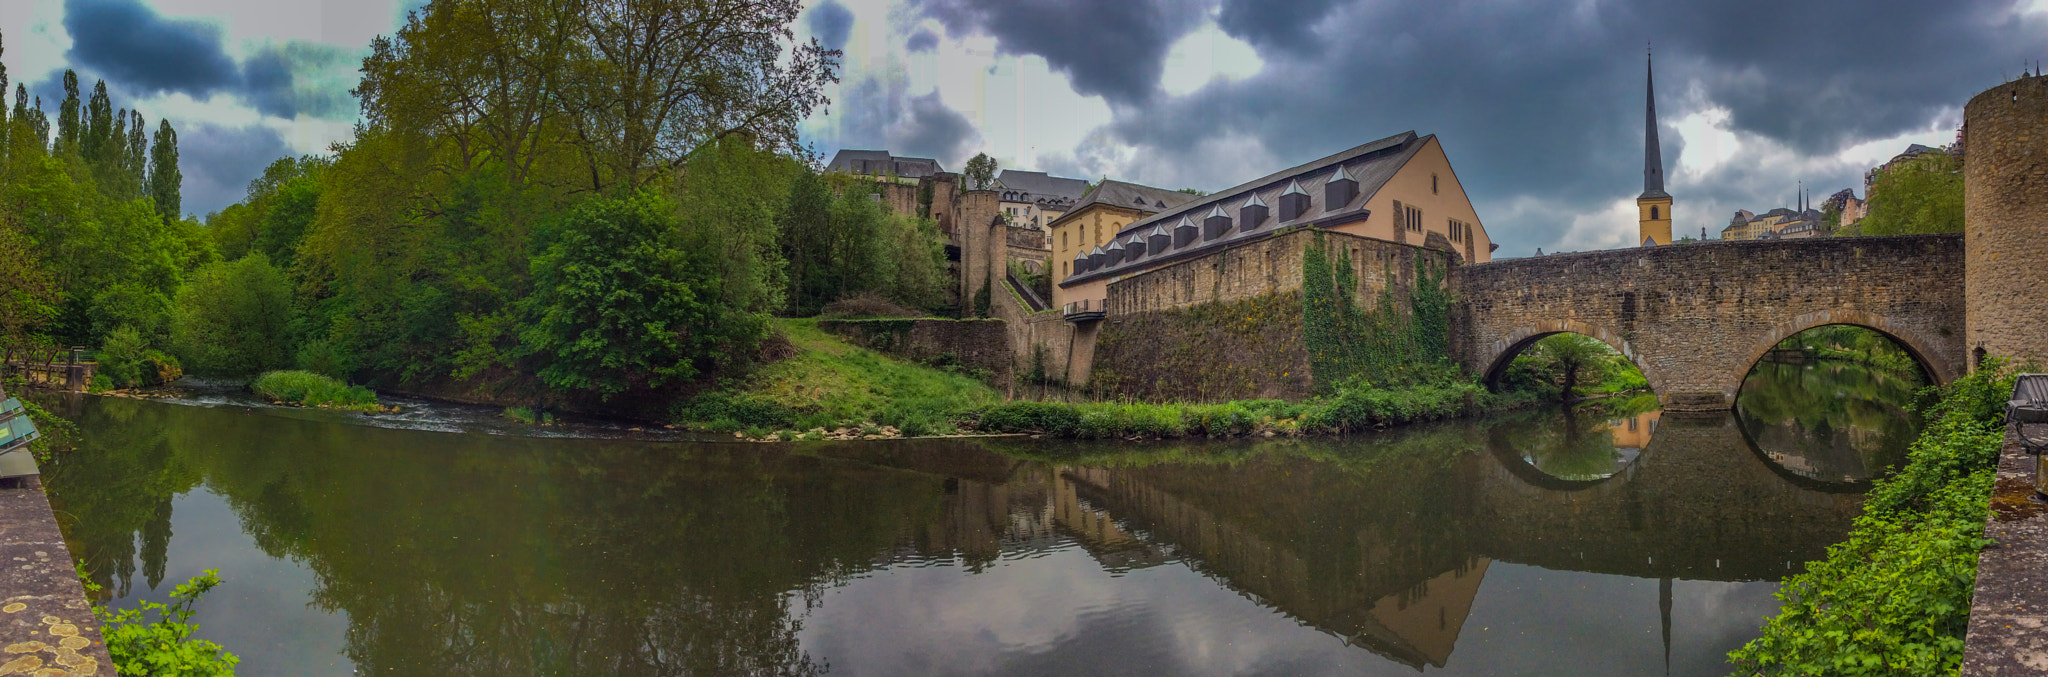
1158, 241
1339, 190
1294, 202
1134, 248
1116, 254
1184, 232
1216, 223
1251, 214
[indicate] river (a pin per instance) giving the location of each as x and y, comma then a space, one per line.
1597, 541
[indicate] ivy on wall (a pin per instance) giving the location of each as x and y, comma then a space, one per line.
1385, 345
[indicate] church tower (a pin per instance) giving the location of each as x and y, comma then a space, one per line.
1653, 207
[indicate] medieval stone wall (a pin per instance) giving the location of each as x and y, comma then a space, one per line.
1228, 325
2005, 219
1695, 317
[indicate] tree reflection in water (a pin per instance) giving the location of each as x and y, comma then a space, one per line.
466, 554
1829, 420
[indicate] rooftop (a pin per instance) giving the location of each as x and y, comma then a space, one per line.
881, 163
1370, 165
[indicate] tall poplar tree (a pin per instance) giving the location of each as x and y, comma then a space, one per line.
135, 162
6, 123
68, 123
99, 131
164, 179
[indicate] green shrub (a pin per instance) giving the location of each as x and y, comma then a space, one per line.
159, 368
1059, 420
1894, 599
121, 358
528, 416
143, 648
307, 389
231, 318
728, 412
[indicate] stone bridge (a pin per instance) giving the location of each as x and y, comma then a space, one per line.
1695, 317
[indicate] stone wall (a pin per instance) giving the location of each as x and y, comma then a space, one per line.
2005, 219
975, 345
1228, 325
1695, 317
1266, 266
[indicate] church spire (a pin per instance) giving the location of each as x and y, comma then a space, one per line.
1653, 154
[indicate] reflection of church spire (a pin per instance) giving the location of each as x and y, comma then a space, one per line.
1664, 607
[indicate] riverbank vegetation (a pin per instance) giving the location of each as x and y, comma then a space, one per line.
1894, 599
163, 646
307, 389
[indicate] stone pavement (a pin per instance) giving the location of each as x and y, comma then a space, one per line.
2009, 613
46, 626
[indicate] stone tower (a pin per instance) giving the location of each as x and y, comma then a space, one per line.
1653, 207
2005, 221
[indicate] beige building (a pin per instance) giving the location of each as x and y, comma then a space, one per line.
1780, 223
1093, 222
1398, 189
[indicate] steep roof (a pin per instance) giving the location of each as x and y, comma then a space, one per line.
881, 163
1131, 196
1371, 164
1040, 184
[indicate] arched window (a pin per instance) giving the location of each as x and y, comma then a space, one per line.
1653, 212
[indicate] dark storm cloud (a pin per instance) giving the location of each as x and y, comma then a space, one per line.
880, 114
1112, 49
128, 42
830, 22
1540, 102
921, 41
1275, 25
219, 161
143, 53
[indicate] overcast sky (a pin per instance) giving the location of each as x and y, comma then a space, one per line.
1538, 103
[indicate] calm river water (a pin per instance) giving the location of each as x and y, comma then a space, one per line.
442, 542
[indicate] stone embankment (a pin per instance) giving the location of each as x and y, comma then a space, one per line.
46, 624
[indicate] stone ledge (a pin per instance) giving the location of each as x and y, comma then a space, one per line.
2009, 612
46, 624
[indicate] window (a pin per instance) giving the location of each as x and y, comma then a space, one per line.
1653, 212
1066, 269
1063, 240
1458, 231
1414, 218
1432, 184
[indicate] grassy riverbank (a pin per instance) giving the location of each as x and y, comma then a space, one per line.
827, 385
1894, 599
307, 389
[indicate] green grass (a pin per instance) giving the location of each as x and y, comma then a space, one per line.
307, 389
1351, 409
832, 384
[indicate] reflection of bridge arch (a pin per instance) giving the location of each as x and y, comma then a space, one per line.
1937, 368
1801, 481
1503, 351
1503, 450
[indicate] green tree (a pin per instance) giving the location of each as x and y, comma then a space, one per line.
1571, 359
28, 293
619, 304
165, 182
1923, 194
806, 223
135, 160
69, 124
981, 171
232, 319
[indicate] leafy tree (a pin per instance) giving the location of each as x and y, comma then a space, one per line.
232, 319
1923, 194
981, 171
1571, 359
165, 182
806, 223
135, 160
120, 358
69, 124
618, 302
28, 294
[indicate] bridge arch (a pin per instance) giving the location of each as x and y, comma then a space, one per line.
1501, 352
1938, 369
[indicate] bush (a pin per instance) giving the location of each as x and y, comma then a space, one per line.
1894, 599
307, 389
1357, 409
121, 358
159, 368
727, 412
1059, 420
164, 646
